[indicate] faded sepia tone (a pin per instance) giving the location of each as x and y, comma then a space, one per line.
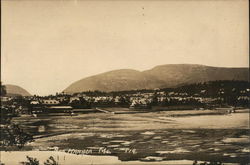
84, 38
124, 82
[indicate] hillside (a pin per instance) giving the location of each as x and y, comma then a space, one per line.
13, 90
181, 74
117, 80
163, 76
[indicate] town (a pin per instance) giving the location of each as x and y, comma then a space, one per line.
210, 95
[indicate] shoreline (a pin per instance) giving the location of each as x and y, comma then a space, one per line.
68, 159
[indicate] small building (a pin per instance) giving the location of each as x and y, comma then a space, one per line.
139, 104
72, 99
34, 102
50, 102
5, 99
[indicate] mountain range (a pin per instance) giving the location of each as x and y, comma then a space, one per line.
163, 76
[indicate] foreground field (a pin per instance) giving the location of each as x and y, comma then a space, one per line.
153, 137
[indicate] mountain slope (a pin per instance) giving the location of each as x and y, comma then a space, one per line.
178, 74
13, 90
117, 80
159, 77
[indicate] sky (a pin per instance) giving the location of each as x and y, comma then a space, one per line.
49, 44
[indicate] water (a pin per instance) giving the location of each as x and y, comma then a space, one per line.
146, 137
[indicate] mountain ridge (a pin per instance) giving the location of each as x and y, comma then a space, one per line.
161, 76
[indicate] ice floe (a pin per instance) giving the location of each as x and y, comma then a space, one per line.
148, 133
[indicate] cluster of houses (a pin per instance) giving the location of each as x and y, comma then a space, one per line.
66, 102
